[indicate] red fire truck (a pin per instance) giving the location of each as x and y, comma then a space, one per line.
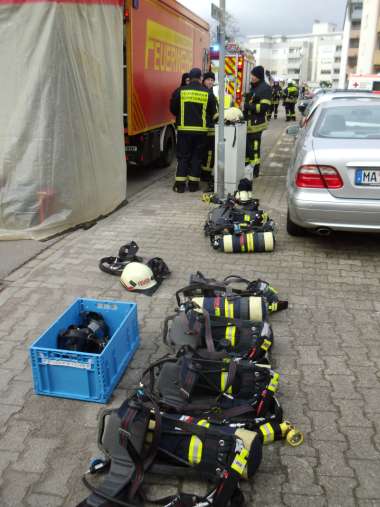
163, 39
238, 64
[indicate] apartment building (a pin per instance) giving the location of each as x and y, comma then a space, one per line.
361, 39
312, 57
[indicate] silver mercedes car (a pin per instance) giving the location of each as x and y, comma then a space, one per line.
333, 181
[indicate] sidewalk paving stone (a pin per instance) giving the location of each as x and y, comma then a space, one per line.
326, 348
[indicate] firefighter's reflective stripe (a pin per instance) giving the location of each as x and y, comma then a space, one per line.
181, 178
257, 128
273, 384
266, 345
194, 178
240, 461
273, 307
193, 129
208, 167
266, 101
223, 383
255, 308
250, 242
196, 445
267, 432
197, 97
228, 309
231, 335
247, 218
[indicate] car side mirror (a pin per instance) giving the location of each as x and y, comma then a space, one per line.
301, 108
293, 130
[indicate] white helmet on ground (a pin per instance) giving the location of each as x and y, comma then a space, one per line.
137, 276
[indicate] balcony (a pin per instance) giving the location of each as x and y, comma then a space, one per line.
356, 14
353, 52
376, 57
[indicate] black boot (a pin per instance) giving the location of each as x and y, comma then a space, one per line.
256, 171
179, 187
193, 186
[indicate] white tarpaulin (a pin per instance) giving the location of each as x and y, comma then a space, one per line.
62, 158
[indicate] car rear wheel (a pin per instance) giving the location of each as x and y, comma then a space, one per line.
294, 229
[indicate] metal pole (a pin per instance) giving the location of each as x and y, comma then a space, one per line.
221, 144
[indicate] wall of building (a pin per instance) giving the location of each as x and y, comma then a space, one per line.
304, 57
369, 43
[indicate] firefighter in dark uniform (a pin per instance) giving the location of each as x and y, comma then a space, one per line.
290, 95
276, 95
207, 167
256, 105
194, 107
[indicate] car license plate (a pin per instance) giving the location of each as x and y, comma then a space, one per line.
369, 177
130, 148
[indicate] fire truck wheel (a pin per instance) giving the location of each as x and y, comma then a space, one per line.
168, 153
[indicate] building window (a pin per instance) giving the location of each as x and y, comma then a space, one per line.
337, 59
336, 71
378, 40
355, 24
352, 61
354, 43
325, 71
339, 48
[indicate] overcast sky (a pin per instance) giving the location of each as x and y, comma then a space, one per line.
268, 17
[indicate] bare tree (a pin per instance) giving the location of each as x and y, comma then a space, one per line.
232, 29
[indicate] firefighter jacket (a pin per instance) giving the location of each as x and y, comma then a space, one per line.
291, 94
257, 102
194, 107
276, 94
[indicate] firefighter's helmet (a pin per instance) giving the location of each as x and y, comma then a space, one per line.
137, 276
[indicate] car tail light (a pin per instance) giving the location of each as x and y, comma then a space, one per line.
318, 176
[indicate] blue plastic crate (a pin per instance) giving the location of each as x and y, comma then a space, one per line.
80, 375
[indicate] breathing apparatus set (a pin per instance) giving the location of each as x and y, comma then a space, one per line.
205, 409
135, 275
91, 335
237, 225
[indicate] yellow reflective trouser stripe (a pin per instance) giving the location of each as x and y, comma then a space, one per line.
273, 385
273, 307
240, 461
181, 178
208, 163
247, 218
194, 178
250, 242
258, 108
266, 101
223, 382
228, 309
265, 345
267, 432
231, 335
265, 216
196, 445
